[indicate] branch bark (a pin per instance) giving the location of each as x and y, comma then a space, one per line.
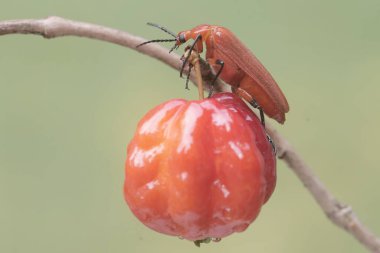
52, 27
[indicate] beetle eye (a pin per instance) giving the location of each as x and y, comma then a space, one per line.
182, 38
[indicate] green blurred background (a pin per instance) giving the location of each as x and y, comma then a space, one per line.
69, 106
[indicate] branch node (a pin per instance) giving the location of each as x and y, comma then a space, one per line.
340, 212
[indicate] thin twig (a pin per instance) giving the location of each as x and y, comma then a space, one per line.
340, 214
52, 27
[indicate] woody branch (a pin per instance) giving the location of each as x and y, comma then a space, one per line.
340, 214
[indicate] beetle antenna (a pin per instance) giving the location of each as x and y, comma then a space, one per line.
151, 41
174, 47
162, 28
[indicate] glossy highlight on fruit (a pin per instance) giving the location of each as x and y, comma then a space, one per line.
199, 169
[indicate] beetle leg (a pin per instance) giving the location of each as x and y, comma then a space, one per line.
262, 118
247, 97
272, 144
199, 37
257, 106
221, 63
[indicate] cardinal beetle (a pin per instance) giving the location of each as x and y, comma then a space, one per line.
236, 65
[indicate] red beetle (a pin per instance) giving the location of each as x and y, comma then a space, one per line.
236, 65
199, 169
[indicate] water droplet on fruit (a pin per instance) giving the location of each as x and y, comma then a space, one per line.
226, 211
183, 175
235, 147
152, 184
222, 188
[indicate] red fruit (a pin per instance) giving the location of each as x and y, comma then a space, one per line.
199, 169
